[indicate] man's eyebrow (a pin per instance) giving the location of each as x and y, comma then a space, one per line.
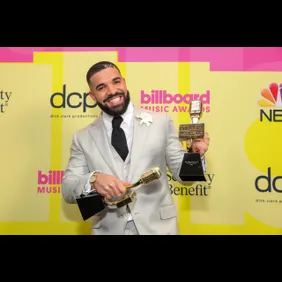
114, 79
100, 84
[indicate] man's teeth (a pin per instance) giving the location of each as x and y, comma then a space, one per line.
114, 99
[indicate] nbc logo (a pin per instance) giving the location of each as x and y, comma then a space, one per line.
271, 97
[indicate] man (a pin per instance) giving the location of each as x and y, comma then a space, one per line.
151, 141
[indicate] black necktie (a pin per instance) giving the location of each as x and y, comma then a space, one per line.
118, 137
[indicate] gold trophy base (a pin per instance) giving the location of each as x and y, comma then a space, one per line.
126, 199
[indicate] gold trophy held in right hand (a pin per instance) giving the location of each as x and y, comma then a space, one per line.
146, 178
94, 202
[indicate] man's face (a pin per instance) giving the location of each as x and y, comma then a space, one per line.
109, 90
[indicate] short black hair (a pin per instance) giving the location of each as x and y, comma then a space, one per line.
98, 67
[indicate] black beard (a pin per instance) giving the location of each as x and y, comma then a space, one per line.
115, 112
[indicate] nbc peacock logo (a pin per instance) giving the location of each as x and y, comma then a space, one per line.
271, 97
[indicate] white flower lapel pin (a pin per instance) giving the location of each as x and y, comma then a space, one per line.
145, 118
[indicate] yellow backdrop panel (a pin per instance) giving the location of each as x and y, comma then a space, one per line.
47, 100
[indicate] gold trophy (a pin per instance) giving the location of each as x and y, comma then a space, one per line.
94, 202
192, 167
146, 178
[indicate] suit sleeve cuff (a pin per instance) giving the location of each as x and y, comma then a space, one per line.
87, 187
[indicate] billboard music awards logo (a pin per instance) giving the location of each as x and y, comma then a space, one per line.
159, 100
197, 189
4, 100
270, 101
49, 182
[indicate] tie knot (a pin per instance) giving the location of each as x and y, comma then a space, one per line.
117, 121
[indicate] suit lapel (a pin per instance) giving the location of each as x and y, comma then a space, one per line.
99, 135
139, 139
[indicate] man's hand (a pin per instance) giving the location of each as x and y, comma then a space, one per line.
201, 145
110, 186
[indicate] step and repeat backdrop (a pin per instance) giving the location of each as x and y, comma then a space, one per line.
44, 100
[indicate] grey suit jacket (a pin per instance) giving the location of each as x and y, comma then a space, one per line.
156, 145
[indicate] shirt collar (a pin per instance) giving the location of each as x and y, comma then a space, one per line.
127, 117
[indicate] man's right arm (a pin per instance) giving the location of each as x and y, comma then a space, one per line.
76, 177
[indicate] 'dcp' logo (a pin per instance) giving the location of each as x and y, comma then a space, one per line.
72, 100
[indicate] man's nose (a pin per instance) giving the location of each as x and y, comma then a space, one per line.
111, 89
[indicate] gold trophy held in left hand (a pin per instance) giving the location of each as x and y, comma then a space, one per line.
192, 167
